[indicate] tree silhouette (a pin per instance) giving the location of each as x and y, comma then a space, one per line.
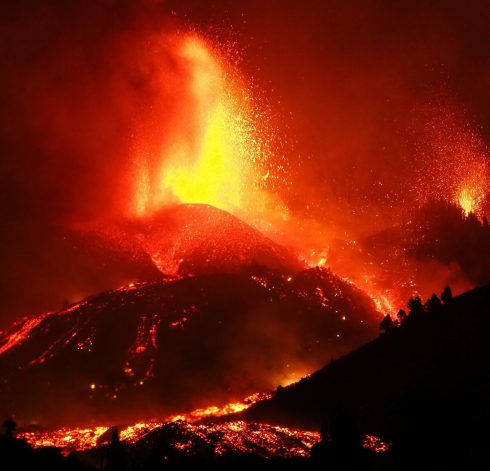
9, 427
116, 454
433, 304
415, 308
386, 324
319, 451
447, 295
345, 445
401, 317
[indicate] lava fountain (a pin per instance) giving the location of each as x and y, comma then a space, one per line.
221, 152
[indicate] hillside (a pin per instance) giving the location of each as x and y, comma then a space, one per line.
422, 386
158, 348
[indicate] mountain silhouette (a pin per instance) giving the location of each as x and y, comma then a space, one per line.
423, 386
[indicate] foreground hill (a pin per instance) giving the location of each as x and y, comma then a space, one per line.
422, 386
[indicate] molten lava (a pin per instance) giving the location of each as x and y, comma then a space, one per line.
85, 438
237, 436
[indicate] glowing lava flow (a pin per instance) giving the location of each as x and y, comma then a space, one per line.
219, 411
237, 436
384, 299
90, 437
222, 153
20, 330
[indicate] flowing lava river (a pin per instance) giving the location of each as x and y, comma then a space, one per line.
235, 435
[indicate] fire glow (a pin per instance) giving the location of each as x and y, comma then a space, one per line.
470, 199
221, 151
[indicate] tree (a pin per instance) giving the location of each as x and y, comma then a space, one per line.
401, 316
433, 304
320, 450
345, 437
415, 307
387, 323
116, 454
447, 295
9, 427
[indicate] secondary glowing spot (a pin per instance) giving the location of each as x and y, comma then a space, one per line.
469, 199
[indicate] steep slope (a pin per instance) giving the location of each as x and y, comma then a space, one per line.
422, 384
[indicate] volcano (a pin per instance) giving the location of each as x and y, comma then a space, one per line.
200, 239
155, 348
80, 259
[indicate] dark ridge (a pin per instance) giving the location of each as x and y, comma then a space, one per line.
424, 385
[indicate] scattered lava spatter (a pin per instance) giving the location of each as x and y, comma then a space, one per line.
454, 163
